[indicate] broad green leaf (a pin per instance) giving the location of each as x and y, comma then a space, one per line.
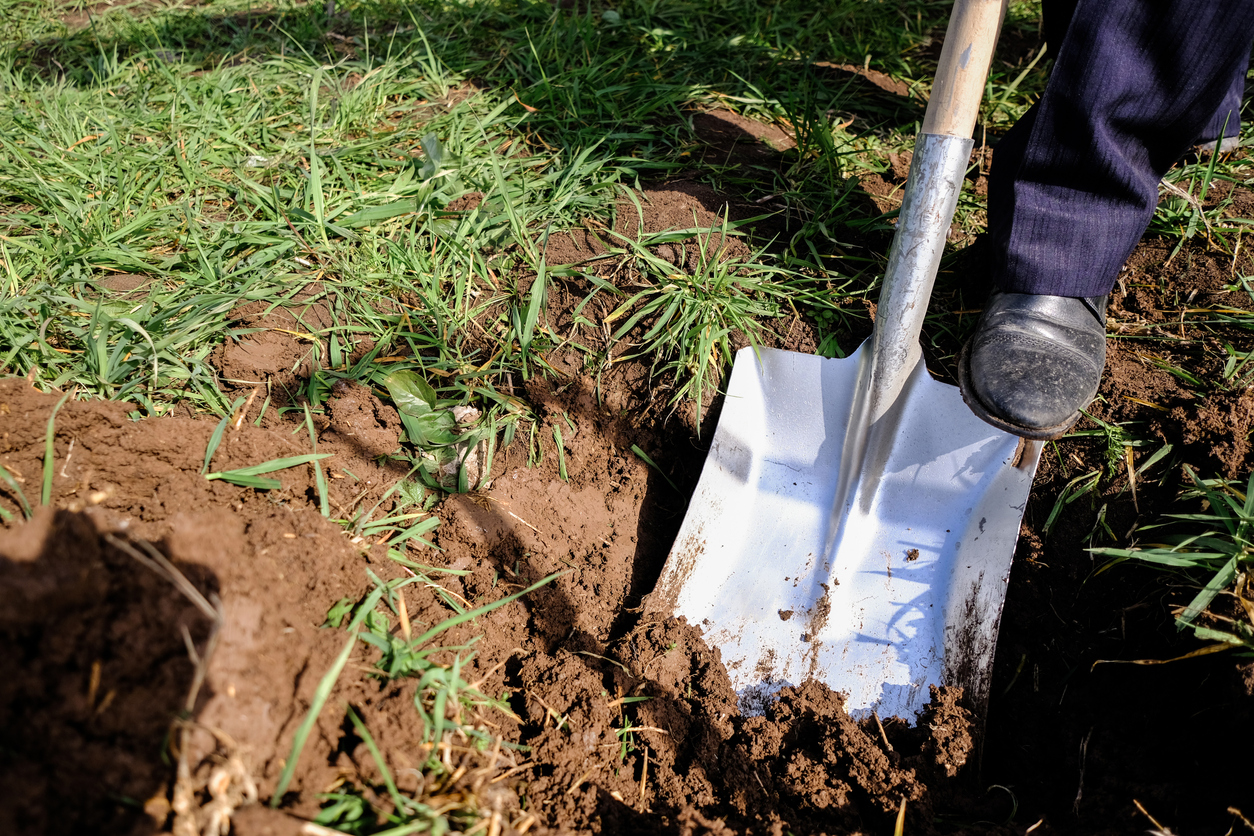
410, 392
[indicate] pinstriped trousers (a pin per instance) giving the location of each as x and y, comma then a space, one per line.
1135, 84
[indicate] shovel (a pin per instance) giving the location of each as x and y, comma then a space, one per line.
854, 522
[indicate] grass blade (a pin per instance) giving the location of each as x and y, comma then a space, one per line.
416, 532
364, 733
635, 449
320, 479
8, 479
486, 608
269, 467
561, 453
321, 694
50, 435
216, 438
1219, 581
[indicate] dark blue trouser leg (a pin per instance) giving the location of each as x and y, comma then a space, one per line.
1135, 84
1057, 15
1227, 120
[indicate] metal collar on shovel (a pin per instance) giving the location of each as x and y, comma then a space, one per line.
855, 522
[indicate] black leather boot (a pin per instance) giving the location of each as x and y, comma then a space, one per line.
1034, 362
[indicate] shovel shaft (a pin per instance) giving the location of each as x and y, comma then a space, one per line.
936, 173
964, 61
931, 195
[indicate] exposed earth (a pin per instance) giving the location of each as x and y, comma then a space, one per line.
96, 668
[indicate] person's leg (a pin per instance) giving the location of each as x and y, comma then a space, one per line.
1224, 127
1074, 184
1221, 133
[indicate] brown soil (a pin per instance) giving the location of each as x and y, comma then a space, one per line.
568, 654
97, 675
676, 205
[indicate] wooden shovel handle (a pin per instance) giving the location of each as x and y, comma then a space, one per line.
964, 62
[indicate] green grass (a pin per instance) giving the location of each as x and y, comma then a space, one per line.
231, 154
1213, 549
236, 154
688, 316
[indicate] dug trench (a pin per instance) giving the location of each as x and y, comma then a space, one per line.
627, 722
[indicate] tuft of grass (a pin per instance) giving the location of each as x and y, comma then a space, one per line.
1215, 544
215, 438
446, 703
685, 317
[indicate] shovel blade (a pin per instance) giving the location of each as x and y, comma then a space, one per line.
899, 589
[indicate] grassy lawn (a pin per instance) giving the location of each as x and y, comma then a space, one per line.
422, 153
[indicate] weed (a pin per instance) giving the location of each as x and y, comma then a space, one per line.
561, 452
1182, 213
626, 739
215, 438
446, 703
1078, 487
1219, 541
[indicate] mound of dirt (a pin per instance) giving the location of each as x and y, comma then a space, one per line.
631, 725
102, 667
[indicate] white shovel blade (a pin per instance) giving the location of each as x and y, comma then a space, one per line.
900, 590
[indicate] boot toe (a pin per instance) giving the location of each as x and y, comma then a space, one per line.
1034, 362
